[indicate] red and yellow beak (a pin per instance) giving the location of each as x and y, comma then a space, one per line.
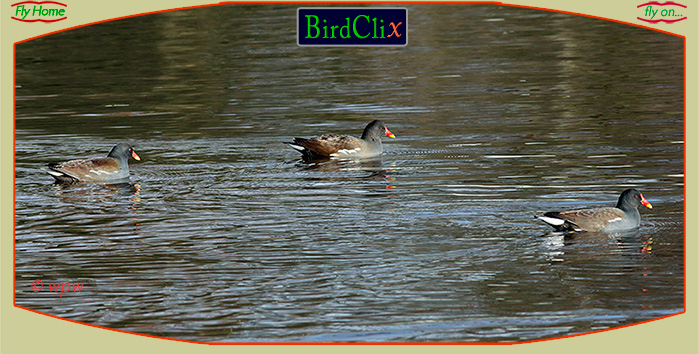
135, 156
645, 202
389, 134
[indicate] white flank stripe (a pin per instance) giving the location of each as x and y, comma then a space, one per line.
346, 152
551, 221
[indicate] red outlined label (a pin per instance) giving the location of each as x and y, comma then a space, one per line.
39, 11
667, 12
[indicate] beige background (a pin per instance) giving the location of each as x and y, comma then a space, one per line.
25, 331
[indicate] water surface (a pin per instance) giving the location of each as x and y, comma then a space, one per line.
223, 234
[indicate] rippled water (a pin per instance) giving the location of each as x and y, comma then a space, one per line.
224, 234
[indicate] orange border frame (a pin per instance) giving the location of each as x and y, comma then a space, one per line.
14, 225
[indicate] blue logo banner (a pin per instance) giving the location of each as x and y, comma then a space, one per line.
356, 26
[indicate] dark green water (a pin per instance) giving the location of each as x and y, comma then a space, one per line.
223, 235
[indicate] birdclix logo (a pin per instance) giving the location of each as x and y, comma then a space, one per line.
39, 11
347, 26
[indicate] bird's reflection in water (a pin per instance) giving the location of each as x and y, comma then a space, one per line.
98, 196
77, 189
375, 171
123, 199
596, 244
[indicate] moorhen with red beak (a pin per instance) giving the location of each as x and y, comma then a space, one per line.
624, 216
344, 146
110, 169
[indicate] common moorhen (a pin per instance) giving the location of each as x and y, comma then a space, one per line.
110, 169
624, 216
344, 146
